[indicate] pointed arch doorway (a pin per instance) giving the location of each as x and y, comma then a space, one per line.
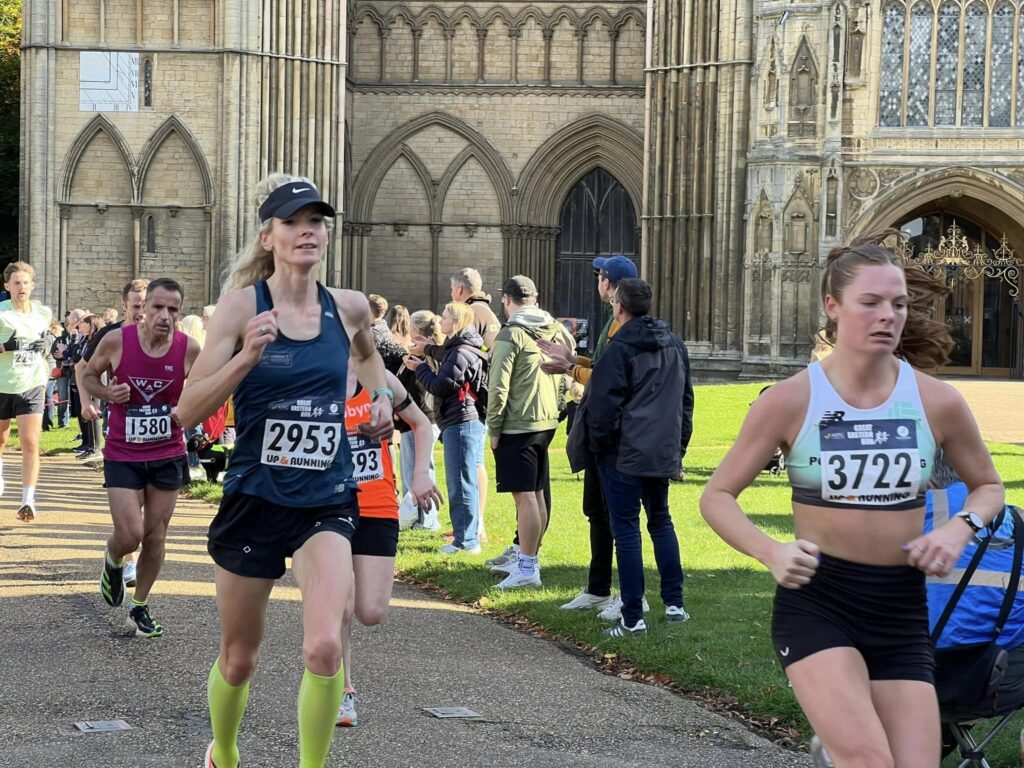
597, 219
981, 310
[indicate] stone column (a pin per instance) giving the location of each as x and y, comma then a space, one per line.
62, 263
435, 260
137, 211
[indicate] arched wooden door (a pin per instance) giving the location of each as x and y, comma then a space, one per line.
598, 219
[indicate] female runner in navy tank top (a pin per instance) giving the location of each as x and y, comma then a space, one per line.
281, 343
850, 623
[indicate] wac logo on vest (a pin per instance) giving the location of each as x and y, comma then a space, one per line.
150, 388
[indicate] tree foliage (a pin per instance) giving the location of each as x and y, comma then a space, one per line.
10, 124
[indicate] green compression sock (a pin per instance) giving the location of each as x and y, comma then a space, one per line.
319, 699
227, 704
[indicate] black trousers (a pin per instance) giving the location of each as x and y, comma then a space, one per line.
602, 546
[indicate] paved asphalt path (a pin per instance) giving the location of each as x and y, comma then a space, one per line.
66, 657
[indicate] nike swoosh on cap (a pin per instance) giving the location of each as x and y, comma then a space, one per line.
296, 191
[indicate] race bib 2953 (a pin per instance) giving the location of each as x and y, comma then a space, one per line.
303, 433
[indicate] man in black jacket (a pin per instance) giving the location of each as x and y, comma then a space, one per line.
639, 418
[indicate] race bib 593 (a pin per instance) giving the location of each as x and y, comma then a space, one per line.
870, 463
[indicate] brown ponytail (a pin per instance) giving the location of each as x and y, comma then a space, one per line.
926, 342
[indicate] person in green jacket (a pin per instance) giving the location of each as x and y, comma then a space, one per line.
523, 409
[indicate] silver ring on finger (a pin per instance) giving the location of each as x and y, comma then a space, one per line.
940, 563
262, 329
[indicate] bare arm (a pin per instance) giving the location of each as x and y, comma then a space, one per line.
957, 433
766, 427
365, 361
423, 488
217, 370
104, 360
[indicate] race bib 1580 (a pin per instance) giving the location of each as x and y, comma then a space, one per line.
146, 423
870, 463
303, 434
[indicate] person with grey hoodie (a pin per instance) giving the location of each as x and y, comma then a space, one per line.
523, 410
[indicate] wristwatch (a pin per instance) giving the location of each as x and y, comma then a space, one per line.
383, 392
972, 520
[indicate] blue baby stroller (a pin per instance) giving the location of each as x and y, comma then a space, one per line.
977, 617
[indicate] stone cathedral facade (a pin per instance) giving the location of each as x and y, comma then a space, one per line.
725, 146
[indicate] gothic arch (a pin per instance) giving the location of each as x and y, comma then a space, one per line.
1002, 194
498, 12
597, 14
631, 14
379, 161
590, 142
465, 12
451, 172
405, 14
368, 12
173, 124
532, 11
98, 124
564, 12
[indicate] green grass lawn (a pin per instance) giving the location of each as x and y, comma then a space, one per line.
723, 655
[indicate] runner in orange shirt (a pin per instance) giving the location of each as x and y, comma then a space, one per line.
376, 541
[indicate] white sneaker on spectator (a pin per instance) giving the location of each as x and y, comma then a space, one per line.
451, 549
517, 579
676, 614
585, 600
510, 555
614, 610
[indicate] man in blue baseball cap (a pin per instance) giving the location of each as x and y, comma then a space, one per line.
598, 592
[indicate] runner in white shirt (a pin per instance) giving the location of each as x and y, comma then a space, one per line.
23, 374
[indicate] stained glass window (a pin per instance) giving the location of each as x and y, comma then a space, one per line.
947, 58
919, 77
972, 113
1020, 72
1001, 72
890, 100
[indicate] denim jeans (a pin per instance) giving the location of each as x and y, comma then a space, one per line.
49, 410
461, 447
407, 463
624, 493
64, 396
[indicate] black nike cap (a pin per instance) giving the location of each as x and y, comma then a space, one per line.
286, 200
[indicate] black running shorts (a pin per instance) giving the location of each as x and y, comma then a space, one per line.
165, 474
252, 537
521, 462
23, 404
881, 611
376, 537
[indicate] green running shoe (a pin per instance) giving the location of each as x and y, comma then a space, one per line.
112, 582
142, 623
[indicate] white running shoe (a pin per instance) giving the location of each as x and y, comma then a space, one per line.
347, 717
517, 579
676, 614
621, 630
510, 555
614, 610
585, 600
451, 549
129, 573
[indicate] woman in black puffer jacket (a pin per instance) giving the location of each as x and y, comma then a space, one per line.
454, 387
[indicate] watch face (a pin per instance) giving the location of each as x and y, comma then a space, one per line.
975, 522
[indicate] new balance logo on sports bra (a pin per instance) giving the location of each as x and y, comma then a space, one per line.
869, 463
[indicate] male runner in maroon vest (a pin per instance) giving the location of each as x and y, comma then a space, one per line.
146, 366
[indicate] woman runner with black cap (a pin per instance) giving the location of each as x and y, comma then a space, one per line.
281, 343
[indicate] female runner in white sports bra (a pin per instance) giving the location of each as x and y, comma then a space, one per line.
860, 430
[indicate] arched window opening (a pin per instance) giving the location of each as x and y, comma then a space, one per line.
598, 219
147, 82
149, 229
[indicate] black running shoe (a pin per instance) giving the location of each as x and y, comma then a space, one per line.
142, 623
112, 583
